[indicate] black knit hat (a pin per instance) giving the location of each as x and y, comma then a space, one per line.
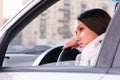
95, 19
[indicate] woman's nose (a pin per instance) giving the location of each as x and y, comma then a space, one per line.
78, 38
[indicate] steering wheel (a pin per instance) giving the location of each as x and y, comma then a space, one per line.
68, 54
67, 57
56, 54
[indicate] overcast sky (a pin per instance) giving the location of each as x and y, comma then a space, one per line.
10, 7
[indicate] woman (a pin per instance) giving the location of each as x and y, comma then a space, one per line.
90, 29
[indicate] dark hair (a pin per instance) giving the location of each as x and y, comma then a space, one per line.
95, 19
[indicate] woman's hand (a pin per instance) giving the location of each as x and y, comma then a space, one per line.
72, 43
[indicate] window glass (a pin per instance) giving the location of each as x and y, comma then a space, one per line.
52, 28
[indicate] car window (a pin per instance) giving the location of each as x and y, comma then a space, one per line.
52, 28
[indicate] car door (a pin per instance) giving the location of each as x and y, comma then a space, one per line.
51, 72
114, 69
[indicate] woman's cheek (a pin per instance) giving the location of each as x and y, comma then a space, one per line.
82, 34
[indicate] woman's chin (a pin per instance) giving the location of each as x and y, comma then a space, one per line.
81, 46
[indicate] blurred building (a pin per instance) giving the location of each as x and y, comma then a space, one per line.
57, 22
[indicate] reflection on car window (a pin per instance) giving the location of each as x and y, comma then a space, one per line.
51, 28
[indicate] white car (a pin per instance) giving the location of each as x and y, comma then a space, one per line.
50, 22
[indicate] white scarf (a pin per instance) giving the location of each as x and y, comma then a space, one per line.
90, 54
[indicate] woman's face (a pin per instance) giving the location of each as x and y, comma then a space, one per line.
83, 34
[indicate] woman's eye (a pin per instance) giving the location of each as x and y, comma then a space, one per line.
81, 29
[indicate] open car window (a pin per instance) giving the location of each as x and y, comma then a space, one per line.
52, 28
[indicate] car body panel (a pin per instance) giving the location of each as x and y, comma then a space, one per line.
111, 77
49, 75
